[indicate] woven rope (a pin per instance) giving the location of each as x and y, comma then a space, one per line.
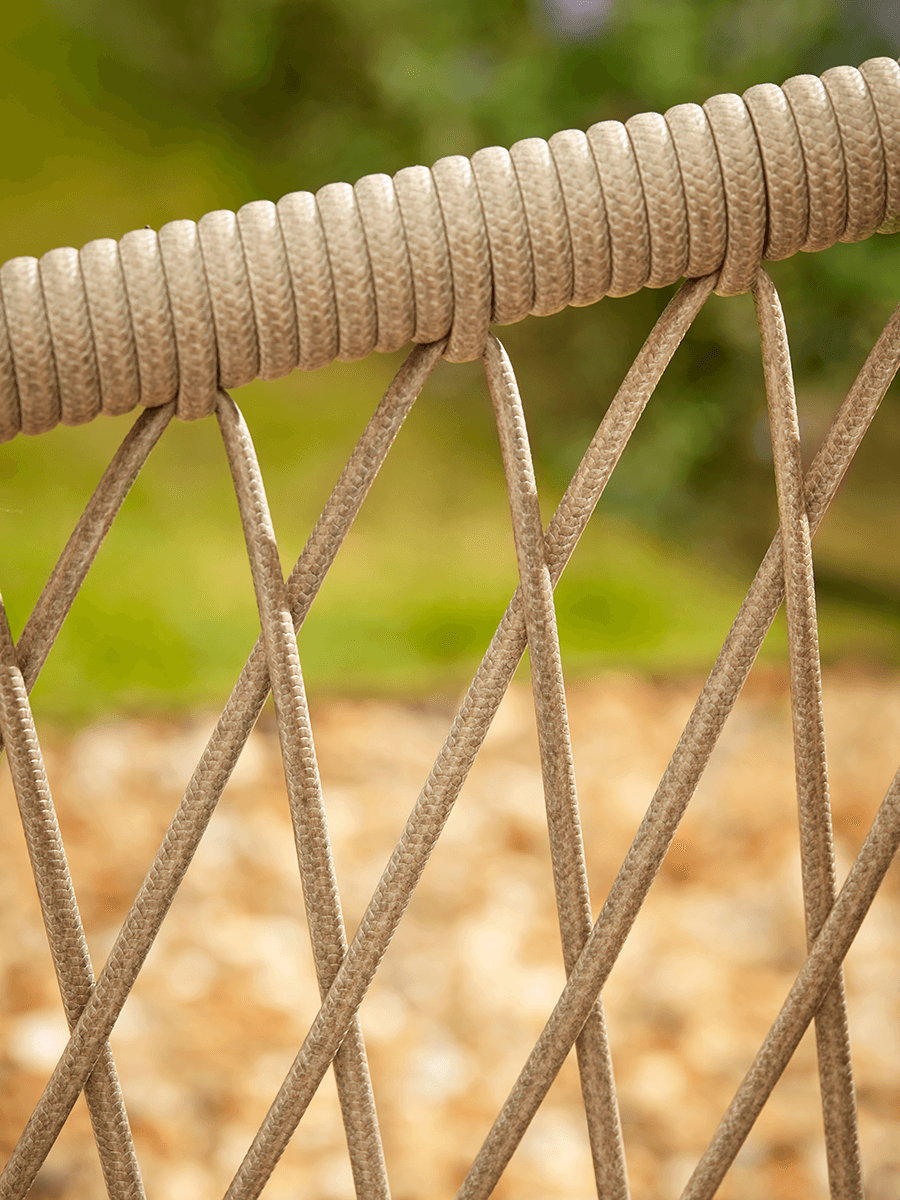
444, 252
578, 1016
434, 256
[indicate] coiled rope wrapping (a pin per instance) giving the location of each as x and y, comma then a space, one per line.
349, 270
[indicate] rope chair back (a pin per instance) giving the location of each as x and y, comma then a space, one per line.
171, 320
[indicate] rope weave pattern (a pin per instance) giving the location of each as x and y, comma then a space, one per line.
589, 951
505, 253
446, 251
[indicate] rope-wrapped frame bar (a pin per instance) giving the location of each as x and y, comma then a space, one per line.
444, 252
169, 320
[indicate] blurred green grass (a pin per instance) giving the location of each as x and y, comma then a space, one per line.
167, 614
118, 118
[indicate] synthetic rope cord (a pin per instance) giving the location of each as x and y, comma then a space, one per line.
461, 745
429, 253
570, 877
207, 783
62, 920
682, 775
814, 809
304, 788
46, 620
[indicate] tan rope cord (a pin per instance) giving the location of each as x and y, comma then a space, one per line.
460, 748
205, 788
326, 924
816, 845
563, 818
681, 777
169, 320
561, 537
173, 858
427, 254
62, 920
43, 626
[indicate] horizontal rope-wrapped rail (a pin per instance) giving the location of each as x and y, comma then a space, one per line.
351, 269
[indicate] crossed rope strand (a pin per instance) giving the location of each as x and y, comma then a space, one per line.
345, 971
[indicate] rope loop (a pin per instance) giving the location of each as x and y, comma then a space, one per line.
176, 315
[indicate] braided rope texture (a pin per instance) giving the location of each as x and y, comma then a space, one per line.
178, 314
345, 968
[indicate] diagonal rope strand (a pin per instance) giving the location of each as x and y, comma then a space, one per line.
320, 890
681, 777
805, 998
169, 319
452, 766
205, 788
563, 819
62, 920
816, 843
460, 748
43, 626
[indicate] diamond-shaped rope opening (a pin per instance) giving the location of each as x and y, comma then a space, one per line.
589, 951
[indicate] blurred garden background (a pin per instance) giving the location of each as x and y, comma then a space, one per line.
121, 113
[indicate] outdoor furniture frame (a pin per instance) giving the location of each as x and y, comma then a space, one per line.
171, 320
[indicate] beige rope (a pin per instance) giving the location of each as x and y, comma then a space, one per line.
563, 817
62, 920
434, 256
431, 253
233, 729
320, 889
447, 776
577, 1005
668, 806
816, 841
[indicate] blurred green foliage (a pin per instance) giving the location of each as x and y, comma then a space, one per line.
119, 113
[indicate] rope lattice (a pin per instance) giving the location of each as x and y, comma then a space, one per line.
433, 255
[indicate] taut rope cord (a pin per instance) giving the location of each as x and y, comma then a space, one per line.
433, 256
257, 293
